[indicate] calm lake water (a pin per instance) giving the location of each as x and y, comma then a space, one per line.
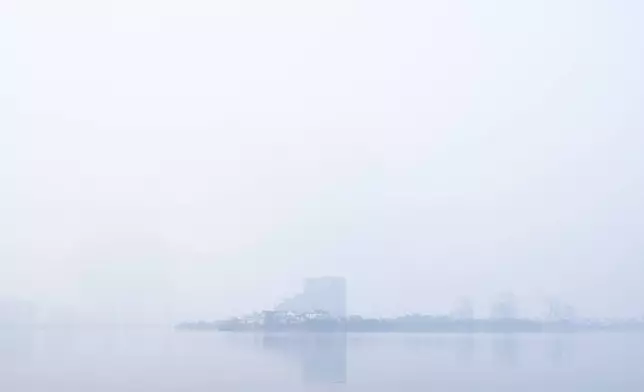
165, 360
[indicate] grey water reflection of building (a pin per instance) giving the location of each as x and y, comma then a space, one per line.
506, 348
17, 319
465, 349
16, 356
322, 357
558, 349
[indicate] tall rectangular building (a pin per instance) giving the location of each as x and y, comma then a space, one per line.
328, 294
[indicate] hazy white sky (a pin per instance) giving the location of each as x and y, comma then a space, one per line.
198, 158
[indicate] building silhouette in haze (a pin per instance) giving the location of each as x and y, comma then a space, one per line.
327, 294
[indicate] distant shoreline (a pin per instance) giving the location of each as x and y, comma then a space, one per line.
420, 327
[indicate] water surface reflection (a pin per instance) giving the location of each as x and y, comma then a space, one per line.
152, 361
322, 357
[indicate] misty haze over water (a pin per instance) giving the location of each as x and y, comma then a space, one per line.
164, 161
